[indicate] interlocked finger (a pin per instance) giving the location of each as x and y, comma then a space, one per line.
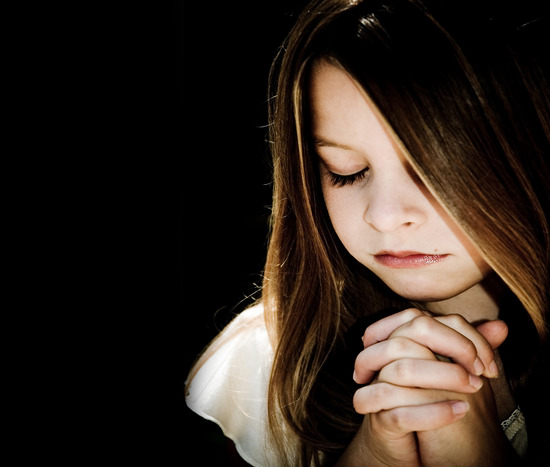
450, 336
378, 397
429, 374
420, 417
374, 358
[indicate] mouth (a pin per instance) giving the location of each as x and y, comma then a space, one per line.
407, 259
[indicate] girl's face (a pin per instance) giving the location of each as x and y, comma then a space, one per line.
380, 210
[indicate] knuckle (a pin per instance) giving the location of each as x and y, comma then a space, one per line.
381, 392
371, 399
412, 313
456, 321
396, 418
401, 369
422, 325
398, 345
469, 350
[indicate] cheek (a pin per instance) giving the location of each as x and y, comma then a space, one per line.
345, 215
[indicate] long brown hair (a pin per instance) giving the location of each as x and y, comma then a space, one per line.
471, 106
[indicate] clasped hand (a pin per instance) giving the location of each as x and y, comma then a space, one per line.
425, 394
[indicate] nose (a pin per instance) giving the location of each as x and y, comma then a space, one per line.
394, 204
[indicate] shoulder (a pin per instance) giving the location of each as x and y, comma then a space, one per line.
241, 354
229, 384
243, 340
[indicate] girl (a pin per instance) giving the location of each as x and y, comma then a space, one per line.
403, 318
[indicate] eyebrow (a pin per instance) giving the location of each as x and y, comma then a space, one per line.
320, 142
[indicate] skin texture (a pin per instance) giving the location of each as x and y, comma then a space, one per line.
388, 208
424, 375
421, 410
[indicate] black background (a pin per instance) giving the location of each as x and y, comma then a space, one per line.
156, 216
223, 53
142, 210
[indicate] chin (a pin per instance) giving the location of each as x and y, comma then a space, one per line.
422, 293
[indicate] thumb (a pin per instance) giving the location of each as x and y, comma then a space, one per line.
494, 331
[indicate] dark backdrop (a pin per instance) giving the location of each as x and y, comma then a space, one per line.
144, 139
223, 54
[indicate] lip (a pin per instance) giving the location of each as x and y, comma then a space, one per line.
407, 259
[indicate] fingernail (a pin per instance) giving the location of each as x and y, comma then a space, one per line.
354, 376
493, 370
460, 407
479, 367
476, 382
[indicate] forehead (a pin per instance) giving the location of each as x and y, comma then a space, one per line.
331, 91
341, 111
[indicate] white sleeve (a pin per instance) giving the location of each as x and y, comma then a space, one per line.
230, 388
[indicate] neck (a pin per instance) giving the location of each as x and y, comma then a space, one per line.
479, 303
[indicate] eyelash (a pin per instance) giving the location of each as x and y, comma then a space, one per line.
343, 180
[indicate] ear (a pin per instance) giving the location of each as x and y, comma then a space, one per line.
494, 331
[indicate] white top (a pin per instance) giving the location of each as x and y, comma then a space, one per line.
230, 389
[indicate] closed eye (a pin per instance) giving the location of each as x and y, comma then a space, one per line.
343, 180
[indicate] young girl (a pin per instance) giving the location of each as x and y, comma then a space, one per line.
403, 318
